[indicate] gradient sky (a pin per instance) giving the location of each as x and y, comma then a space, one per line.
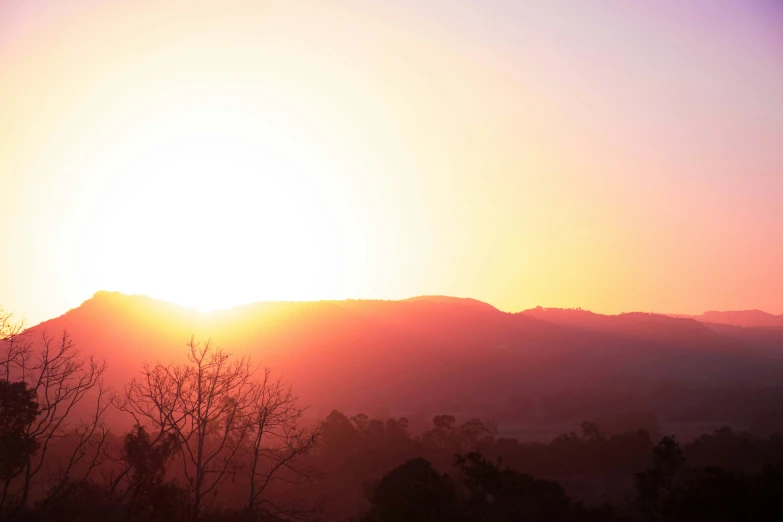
613, 155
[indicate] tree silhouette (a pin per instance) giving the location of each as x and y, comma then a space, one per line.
445, 422
147, 496
203, 405
414, 492
61, 380
18, 410
657, 487
277, 441
504, 495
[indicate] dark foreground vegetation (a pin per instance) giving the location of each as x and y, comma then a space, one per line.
214, 438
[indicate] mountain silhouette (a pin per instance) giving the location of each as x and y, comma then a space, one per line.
438, 354
747, 318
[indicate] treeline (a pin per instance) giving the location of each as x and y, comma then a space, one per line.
478, 489
216, 439
587, 468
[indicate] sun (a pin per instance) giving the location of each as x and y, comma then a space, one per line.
215, 209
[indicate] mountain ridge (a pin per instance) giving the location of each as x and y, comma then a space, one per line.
744, 318
431, 352
751, 318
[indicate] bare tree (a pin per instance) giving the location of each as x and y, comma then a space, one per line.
60, 379
88, 437
14, 343
204, 404
278, 440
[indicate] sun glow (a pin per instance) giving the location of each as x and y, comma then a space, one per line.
214, 172
226, 195
215, 153
216, 185
217, 209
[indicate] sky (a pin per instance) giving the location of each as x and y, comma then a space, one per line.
610, 155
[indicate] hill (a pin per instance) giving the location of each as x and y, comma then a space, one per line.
746, 318
438, 354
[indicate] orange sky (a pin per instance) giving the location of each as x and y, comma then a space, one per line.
611, 155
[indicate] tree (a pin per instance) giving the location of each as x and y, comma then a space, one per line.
13, 342
657, 487
277, 441
414, 492
147, 496
500, 495
204, 405
61, 380
340, 440
443, 435
18, 410
361, 421
445, 422
475, 431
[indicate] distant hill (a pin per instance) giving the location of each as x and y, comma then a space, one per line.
747, 318
634, 324
441, 354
